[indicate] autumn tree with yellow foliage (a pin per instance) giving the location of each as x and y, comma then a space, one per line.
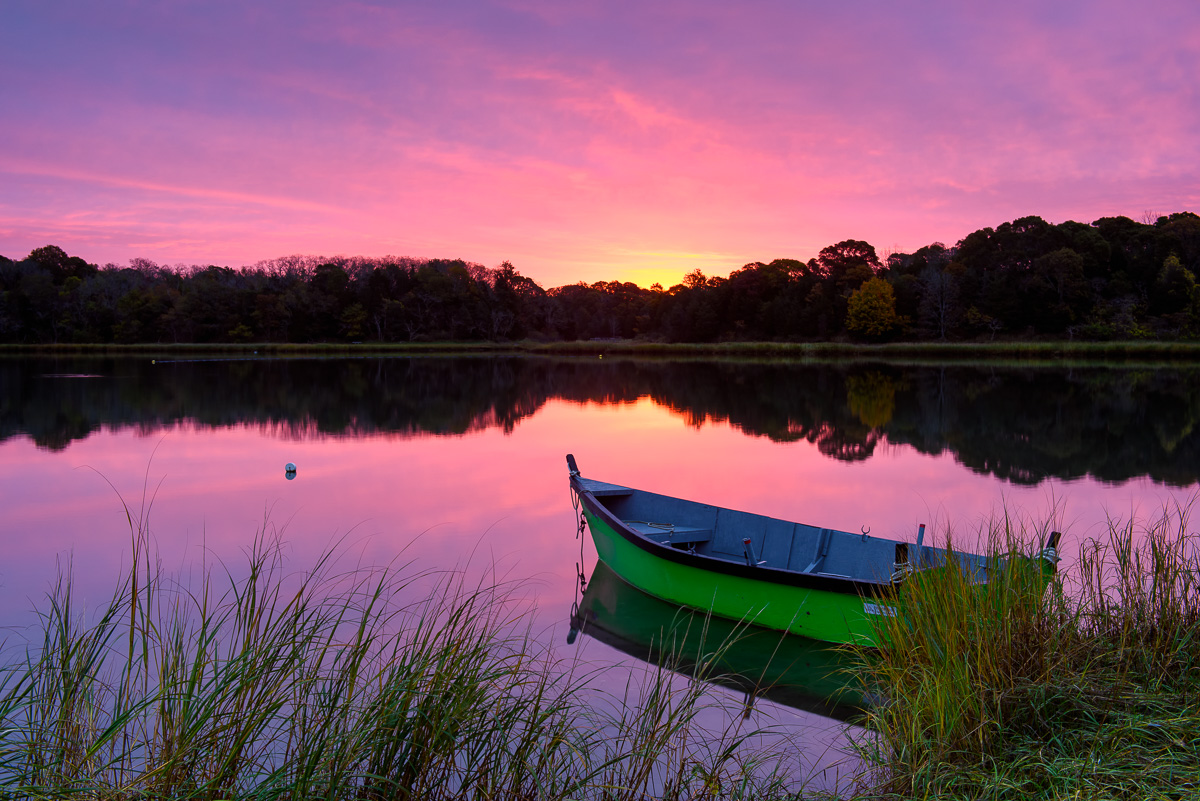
871, 311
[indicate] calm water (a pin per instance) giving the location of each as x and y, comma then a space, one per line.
460, 462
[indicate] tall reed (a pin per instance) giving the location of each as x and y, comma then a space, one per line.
1087, 687
262, 683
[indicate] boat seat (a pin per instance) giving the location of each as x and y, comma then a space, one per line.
818, 561
669, 534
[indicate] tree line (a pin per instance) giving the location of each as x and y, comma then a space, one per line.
1115, 278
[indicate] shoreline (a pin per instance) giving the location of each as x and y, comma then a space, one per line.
1125, 353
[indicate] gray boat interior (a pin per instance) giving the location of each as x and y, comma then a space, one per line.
720, 533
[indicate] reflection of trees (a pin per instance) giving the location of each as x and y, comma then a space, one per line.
872, 398
1025, 425
1020, 425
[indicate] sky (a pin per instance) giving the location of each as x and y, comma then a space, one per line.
583, 141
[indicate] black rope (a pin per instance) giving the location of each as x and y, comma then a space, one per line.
579, 565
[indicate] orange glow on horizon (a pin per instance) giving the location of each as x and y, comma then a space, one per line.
592, 142
665, 269
669, 269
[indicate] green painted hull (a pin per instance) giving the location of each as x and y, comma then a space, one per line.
836, 617
795, 671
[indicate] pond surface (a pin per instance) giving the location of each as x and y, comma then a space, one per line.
459, 462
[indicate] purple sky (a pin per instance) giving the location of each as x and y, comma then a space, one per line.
583, 141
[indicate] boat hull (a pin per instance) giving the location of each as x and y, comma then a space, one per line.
732, 592
805, 674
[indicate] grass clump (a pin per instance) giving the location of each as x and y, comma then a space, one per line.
328, 684
1088, 689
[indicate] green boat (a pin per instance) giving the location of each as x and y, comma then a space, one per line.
816, 582
794, 671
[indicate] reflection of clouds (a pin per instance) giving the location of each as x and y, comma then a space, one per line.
483, 499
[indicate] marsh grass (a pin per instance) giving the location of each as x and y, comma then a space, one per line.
264, 683
1088, 689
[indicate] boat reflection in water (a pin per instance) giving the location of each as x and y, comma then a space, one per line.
784, 668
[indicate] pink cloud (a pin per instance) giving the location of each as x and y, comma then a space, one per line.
574, 141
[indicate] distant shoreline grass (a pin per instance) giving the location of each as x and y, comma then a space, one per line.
1116, 353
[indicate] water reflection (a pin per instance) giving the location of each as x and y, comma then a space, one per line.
1018, 424
457, 463
793, 671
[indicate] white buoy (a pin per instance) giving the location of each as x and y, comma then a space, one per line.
289, 470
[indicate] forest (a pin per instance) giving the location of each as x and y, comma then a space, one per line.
1113, 279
